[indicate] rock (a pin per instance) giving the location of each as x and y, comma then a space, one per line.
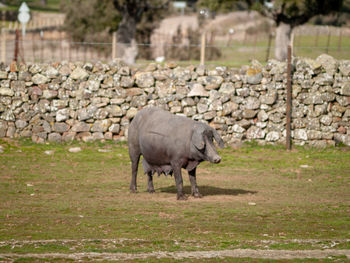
79, 74
328, 63
300, 134
210, 82
81, 127
126, 82
114, 128
39, 79
227, 88
345, 89
255, 133
272, 136
131, 113
62, 115
229, 107
20, 124
249, 114
144, 79
60, 127
101, 125
74, 149
269, 98
50, 94
197, 90
49, 152
254, 76
54, 137
6, 92
252, 103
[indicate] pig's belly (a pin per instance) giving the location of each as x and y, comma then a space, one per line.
159, 169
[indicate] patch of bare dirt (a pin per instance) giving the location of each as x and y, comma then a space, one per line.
235, 253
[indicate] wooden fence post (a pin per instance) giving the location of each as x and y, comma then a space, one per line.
3, 45
289, 100
114, 45
203, 40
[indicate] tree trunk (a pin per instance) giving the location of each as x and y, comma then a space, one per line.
283, 35
126, 43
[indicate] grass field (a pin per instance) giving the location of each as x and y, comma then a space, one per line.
257, 197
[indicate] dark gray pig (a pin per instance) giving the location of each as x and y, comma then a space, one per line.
168, 143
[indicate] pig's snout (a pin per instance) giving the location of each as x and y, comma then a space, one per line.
217, 159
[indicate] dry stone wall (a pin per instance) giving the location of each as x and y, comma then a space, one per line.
84, 101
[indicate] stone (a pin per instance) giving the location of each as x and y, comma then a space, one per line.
60, 127
255, 133
62, 115
300, 134
210, 82
229, 107
144, 79
252, 103
237, 128
343, 138
345, 89
20, 124
68, 136
54, 137
74, 149
197, 90
81, 127
263, 116
254, 76
209, 115
7, 92
79, 74
101, 125
227, 88
249, 114
39, 79
273, 136
114, 110
50, 94
114, 128
126, 82
131, 113
269, 98
326, 120
328, 63
201, 107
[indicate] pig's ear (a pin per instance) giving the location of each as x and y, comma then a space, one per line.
197, 139
218, 138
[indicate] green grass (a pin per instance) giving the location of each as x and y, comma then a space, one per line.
85, 195
36, 5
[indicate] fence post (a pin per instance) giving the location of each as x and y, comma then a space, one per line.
340, 39
328, 40
289, 100
268, 46
114, 45
3, 45
203, 48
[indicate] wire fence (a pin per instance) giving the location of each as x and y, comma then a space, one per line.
50, 46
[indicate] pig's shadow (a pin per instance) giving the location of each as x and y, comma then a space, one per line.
207, 190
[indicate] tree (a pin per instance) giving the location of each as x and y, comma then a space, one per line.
287, 14
136, 14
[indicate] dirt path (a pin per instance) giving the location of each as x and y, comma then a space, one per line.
234, 253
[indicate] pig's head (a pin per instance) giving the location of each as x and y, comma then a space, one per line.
202, 143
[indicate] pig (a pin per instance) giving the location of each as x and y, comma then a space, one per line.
169, 143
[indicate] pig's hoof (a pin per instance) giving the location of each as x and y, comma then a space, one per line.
151, 191
197, 195
133, 191
182, 198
